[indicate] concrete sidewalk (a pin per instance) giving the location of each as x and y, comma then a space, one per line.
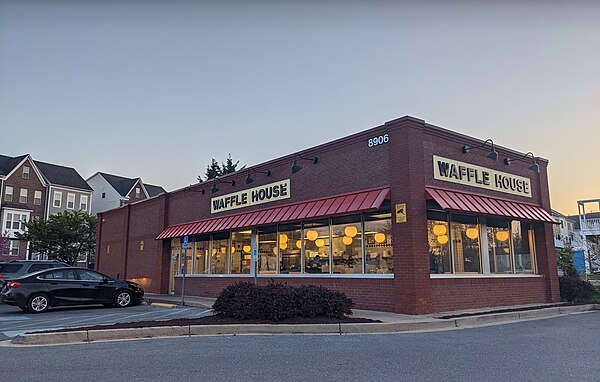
390, 323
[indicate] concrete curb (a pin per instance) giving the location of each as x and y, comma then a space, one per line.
88, 336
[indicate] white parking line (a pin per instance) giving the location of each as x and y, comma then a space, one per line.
172, 313
47, 321
91, 318
203, 313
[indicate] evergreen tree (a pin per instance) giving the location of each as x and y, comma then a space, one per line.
214, 170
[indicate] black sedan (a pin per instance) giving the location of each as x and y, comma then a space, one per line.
36, 292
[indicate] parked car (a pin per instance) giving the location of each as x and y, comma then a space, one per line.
39, 291
18, 268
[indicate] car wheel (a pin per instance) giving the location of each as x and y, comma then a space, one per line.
38, 303
123, 299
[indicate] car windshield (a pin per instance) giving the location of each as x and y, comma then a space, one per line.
10, 268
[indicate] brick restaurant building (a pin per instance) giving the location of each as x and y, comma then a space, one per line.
405, 217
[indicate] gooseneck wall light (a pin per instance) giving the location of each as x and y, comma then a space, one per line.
189, 188
249, 179
296, 167
493, 154
534, 166
214, 187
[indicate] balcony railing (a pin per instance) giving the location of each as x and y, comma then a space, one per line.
590, 226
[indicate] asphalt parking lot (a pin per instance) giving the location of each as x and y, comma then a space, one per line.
13, 321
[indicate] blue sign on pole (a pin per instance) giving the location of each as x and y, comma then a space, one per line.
185, 242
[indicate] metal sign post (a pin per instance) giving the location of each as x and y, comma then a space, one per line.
255, 260
184, 253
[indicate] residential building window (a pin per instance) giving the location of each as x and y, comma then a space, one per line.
70, 201
37, 198
15, 221
57, 199
83, 203
25, 172
103, 195
23, 196
14, 248
8, 194
138, 193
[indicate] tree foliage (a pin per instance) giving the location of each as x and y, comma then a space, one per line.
4, 243
63, 237
214, 169
564, 260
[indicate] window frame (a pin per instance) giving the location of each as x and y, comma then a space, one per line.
23, 195
25, 174
7, 194
54, 199
69, 195
37, 201
81, 203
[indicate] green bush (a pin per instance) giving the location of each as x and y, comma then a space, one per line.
277, 301
574, 289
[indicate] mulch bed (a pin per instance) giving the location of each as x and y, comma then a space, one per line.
219, 319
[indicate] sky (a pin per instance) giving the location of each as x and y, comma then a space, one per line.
156, 89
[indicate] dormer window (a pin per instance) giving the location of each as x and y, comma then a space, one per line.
25, 172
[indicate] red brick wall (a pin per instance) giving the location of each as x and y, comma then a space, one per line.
469, 293
367, 293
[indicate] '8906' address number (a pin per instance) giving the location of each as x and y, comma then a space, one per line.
380, 140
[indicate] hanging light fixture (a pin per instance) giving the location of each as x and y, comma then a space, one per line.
320, 243
283, 238
296, 167
299, 244
379, 237
312, 235
283, 245
347, 240
472, 233
249, 179
440, 229
442, 239
350, 231
493, 154
214, 187
534, 166
502, 235
246, 248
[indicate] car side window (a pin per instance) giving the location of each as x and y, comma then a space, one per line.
46, 276
38, 267
64, 274
90, 276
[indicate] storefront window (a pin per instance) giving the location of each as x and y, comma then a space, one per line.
175, 252
522, 238
267, 250
378, 243
316, 246
346, 243
438, 237
201, 247
220, 253
465, 244
498, 235
290, 248
240, 252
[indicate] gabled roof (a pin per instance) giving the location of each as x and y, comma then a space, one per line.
154, 190
62, 176
7, 164
121, 184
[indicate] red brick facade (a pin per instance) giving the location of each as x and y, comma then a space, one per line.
404, 164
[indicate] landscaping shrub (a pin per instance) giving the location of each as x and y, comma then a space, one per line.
574, 289
277, 301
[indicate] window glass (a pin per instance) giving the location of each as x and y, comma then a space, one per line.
346, 244
240, 251
220, 253
8, 221
267, 250
290, 248
57, 199
175, 252
38, 267
64, 274
522, 238
83, 199
70, 201
14, 248
465, 242
25, 172
23, 198
438, 237
9, 268
8, 194
498, 235
201, 248
378, 243
316, 246
90, 275
37, 198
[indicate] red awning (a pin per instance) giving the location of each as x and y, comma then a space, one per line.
485, 205
334, 205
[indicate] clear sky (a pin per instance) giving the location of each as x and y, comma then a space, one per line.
157, 89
